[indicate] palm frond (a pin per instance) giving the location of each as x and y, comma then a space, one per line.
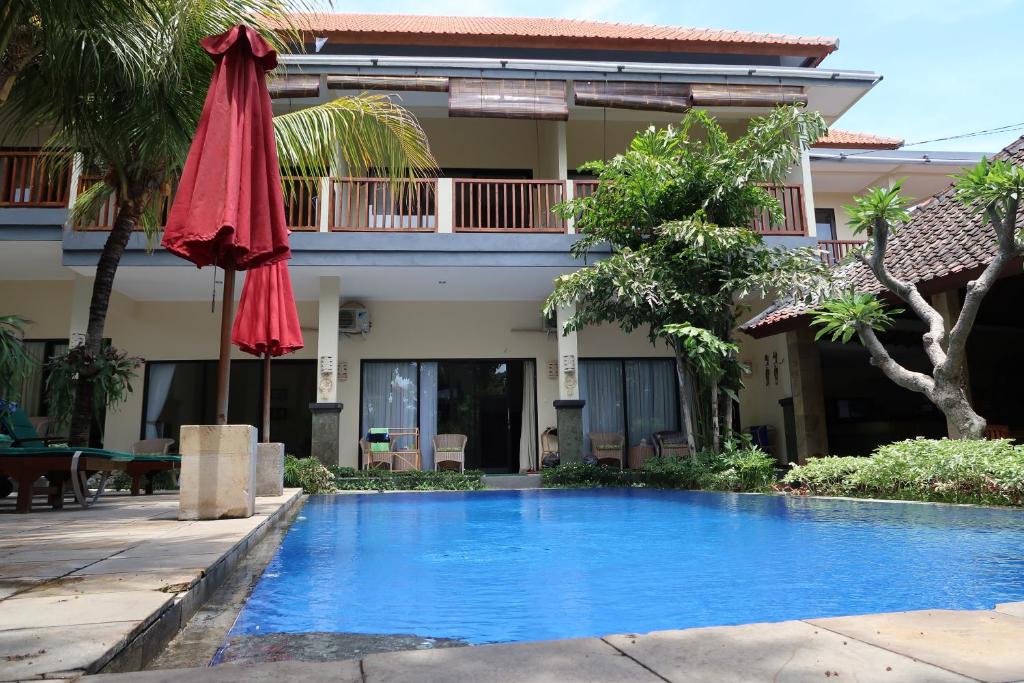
371, 132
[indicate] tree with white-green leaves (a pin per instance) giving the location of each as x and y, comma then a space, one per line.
122, 83
992, 190
675, 209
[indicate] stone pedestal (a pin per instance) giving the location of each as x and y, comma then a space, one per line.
218, 471
270, 469
569, 418
326, 428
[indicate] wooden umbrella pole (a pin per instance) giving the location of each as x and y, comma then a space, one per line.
266, 398
224, 362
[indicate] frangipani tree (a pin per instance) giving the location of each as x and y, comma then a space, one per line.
126, 93
674, 209
992, 190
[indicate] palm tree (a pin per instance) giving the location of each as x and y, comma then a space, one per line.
125, 91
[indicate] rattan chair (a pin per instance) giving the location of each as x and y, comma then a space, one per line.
375, 459
608, 447
548, 445
152, 447
671, 444
450, 448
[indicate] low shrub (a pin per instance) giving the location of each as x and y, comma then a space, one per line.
349, 479
981, 471
739, 467
309, 474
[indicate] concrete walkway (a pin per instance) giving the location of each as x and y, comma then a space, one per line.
106, 588
904, 647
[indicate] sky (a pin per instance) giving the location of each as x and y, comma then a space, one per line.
949, 66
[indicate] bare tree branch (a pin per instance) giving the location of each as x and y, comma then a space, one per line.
914, 381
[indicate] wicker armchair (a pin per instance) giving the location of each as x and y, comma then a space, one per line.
450, 448
548, 446
375, 459
152, 447
609, 447
671, 444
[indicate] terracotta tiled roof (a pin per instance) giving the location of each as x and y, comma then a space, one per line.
944, 245
555, 33
848, 139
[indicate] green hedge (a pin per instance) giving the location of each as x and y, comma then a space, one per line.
986, 471
348, 479
742, 468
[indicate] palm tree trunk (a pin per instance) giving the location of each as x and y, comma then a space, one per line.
128, 212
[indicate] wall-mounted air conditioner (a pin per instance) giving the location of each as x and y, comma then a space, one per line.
353, 318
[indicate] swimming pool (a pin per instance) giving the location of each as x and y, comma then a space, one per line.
505, 566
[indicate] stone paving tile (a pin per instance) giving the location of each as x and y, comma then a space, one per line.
561, 661
790, 651
1014, 609
119, 565
28, 652
71, 610
9, 587
59, 553
41, 570
278, 672
984, 645
177, 580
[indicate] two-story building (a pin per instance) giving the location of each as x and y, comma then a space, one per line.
421, 308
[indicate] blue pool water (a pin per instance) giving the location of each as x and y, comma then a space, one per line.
526, 565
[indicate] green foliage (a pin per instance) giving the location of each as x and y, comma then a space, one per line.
348, 479
880, 206
992, 187
162, 481
675, 209
309, 474
959, 471
15, 362
110, 374
739, 467
840, 317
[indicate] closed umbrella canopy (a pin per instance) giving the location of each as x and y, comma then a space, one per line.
267, 322
228, 210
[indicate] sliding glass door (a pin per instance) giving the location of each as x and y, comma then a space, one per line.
632, 397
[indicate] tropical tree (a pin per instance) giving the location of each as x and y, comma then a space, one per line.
993, 191
674, 209
126, 94
15, 360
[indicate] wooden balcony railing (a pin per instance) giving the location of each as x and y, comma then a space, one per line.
382, 205
105, 215
32, 179
301, 203
791, 197
833, 251
584, 187
507, 205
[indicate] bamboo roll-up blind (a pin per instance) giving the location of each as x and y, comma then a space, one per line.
726, 95
508, 98
648, 96
421, 83
281, 87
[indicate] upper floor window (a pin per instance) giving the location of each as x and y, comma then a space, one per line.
825, 221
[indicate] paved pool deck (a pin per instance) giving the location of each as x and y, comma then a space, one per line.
106, 588
903, 647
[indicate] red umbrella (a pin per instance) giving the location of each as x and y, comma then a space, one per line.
267, 323
228, 210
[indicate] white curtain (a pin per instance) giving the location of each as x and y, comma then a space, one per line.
32, 387
528, 430
650, 399
161, 376
428, 412
601, 391
390, 395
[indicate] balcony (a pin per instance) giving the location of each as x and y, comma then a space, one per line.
834, 251
373, 205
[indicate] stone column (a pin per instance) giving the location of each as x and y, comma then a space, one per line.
568, 407
270, 469
808, 394
218, 472
326, 412
948, 305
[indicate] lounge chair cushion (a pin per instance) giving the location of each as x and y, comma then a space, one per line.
608, 447
380, 446
448, 450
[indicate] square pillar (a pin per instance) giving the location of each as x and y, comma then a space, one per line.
568, 407
270, 469
218, 472
808, 394
326, 432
